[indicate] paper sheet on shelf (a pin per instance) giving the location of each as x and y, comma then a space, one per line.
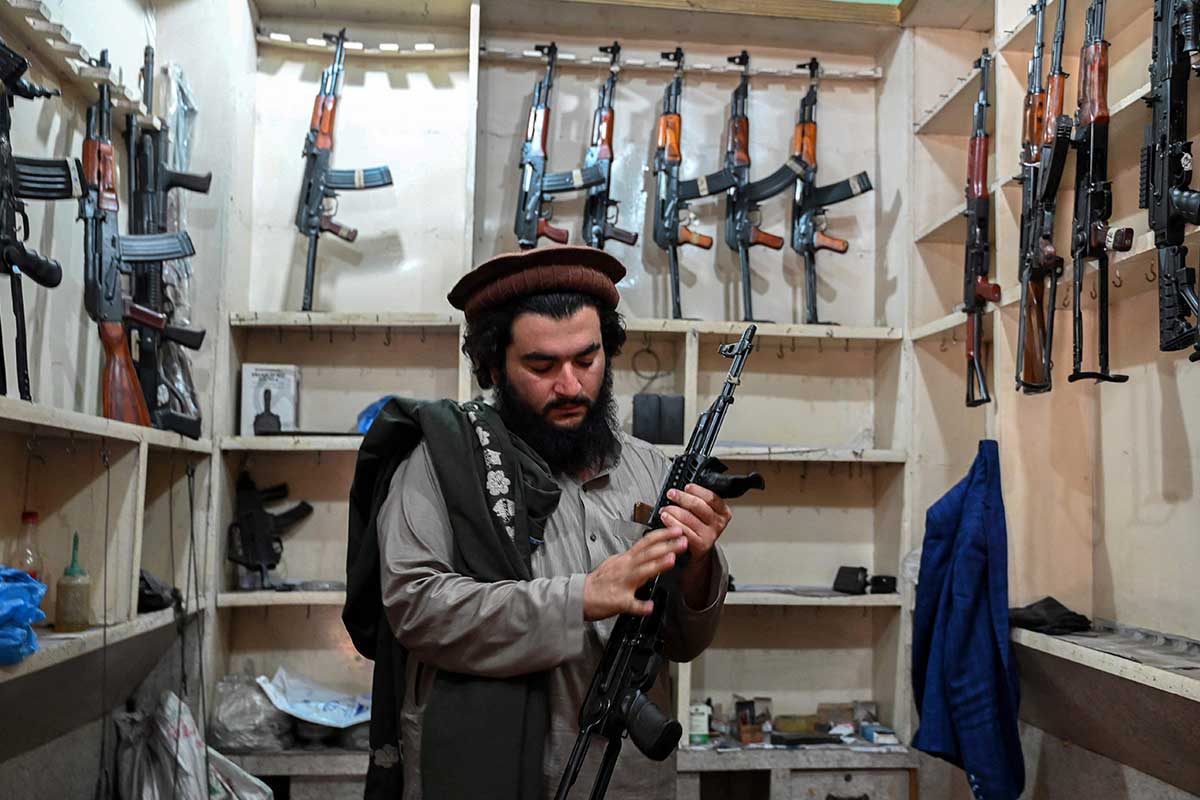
310, 702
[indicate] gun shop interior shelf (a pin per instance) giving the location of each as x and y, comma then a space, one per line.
33, 22
17, 416
1120, 14
54, 649
292, 444
951, 115
259, 599
763, 452
740, 598
334, 320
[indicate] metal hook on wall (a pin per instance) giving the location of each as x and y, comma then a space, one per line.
646, 339
353, 334
780, 353
310, 333
422, 334
387, 336
942, 345
793, 344
1151, 276
1092, 293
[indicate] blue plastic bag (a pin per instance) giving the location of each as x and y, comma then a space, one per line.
368, 414
20, 596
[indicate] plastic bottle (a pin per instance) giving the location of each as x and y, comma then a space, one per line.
25, 553
73, 603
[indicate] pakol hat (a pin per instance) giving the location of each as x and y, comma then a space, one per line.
539, 271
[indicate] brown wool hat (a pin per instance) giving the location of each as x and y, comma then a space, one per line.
538, 271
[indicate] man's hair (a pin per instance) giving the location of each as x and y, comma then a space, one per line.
488, 336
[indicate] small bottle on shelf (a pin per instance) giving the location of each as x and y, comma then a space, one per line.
71, 608
25, 554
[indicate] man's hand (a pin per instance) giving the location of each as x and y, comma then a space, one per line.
609, 589
701, 514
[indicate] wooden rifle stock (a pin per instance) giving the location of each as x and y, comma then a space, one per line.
1093, 84
738, 142
804, 143
121, 394
1031, 126
670, 127
328, 111
977, 167
1035, 334
99, 169
1053, 107
604, 133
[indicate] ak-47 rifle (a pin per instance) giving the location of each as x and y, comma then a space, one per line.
536, 197
1166, 174
742, 213
810, 201
24, 178
977, 290
150, 180
321, 183
1091, 237
617, 702
107, 255
600, 213
671, 214
1041, 174
255, 535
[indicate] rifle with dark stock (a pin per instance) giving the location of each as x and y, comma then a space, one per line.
600, 213
1166, 171
810, 201
536, 196
1045, 140
150, 180
108, 256
742, 213
1091, 237
321, 184
978, 291
24, 179
617, 703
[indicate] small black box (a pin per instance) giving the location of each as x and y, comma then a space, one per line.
658, 418
851, 580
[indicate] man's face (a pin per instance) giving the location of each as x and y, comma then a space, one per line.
556, 366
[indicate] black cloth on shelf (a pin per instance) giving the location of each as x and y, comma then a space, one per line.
1048, 616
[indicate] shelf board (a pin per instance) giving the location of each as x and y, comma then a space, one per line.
387, 13
54, 651
951, 227
839, 601
322, 762
826, 757
952, 115
268, 598
31, 23
335, 320
292, 444
1171, 681
799, 331
20, 417
1118, 16
270, 39
781, 452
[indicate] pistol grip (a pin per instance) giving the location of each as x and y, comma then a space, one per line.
552, 233
343, 232
822, 241
759, 236
689, 236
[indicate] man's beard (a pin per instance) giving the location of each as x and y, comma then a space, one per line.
570, 451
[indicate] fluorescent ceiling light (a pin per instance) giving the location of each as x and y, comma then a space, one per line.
424, 47
280, 37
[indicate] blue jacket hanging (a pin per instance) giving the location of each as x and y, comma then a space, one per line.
964, 677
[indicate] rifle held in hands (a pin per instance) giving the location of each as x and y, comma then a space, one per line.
617, 703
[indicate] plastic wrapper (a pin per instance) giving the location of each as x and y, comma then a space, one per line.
243, 718
20, 596
163, 758
313, 703
177, 275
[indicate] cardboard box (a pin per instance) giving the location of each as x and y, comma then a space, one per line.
270, 398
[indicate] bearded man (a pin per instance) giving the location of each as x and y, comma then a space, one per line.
493, 545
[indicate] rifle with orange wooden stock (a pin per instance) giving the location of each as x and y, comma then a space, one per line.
810, 201
1045, 141
321, 184
1091, 237
536, 196
108, 256
671, 214
977, 289
742, 215
600, 213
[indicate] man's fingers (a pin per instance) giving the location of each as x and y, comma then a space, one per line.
640, 608
683, 518
653, 538
697, 504
660, 551
651, 568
